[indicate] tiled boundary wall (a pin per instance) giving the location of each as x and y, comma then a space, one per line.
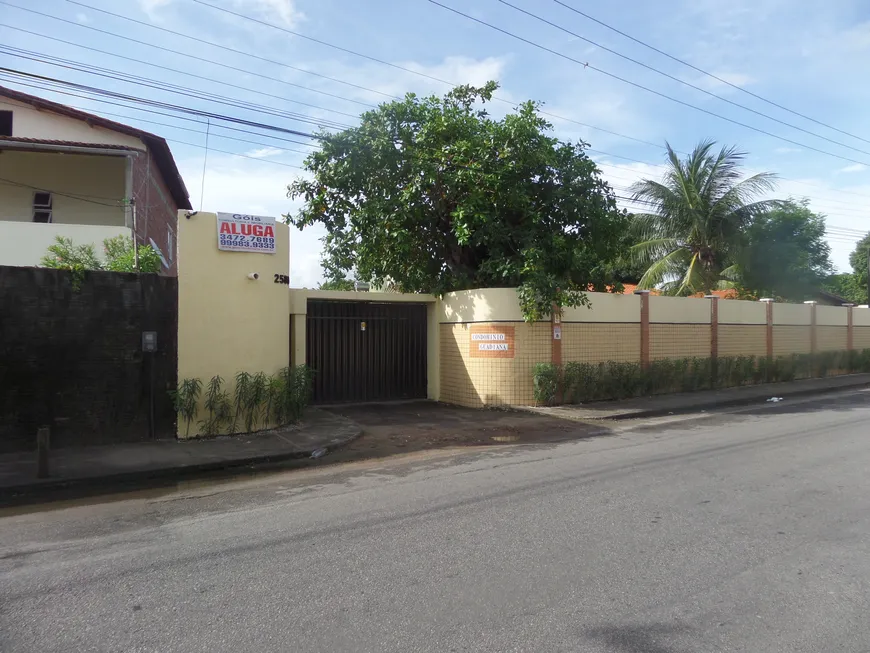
623, 328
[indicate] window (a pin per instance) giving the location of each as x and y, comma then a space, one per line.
5, 123
169, 248
41, 207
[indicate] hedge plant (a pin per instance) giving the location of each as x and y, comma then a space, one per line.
609, 380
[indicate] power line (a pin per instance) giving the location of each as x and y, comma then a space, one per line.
676, 79
588, 66
409, 70
177, 71
171, 88
187, 37
157, 103
708, 74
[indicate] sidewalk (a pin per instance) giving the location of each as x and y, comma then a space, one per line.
660, 405
108, 466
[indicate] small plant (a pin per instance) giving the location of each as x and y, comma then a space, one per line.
241, 394
546, 383
185, 398
218, 405
292, 393
256, 400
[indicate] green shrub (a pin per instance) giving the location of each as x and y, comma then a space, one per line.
546, 383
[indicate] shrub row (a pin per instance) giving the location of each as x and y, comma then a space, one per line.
583, 382
257, 400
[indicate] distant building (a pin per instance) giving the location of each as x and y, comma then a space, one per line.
71, 173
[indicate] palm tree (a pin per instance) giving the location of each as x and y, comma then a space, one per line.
691, 239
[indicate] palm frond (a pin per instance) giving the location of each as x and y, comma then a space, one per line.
673, 264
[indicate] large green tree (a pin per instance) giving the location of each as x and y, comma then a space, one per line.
435, 195
785, 254
853, 285
699, 212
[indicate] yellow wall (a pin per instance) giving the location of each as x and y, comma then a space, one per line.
28, 122
228, 323
101, 179
598, 342
476, 382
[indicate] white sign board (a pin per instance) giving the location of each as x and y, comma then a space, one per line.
238, 232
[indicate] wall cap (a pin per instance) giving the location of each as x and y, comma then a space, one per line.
711, 296
848, 305
811, 302
641, 292
767, 300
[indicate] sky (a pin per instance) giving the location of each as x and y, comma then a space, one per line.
809, 61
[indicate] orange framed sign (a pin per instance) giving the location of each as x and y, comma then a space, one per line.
492, 341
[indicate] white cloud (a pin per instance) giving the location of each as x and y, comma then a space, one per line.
83, 18
284, 10
151, 7
264, 152
787, 150
855, 167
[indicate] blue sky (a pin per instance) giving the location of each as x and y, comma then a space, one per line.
809, 57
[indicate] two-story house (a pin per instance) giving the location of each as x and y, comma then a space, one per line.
71, 173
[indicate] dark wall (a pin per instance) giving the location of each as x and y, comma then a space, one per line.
72, 359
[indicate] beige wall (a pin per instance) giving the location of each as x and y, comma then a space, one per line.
228, 323
598, 342
861, 337
790, 339
605, 307
25, 243
678, 310
861, 316
832, 316
831, 338
99, 181
486, 305
28, 122
733, 311
679, 341
792, 314
742, 339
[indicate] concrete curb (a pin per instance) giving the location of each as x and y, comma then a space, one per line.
341, 434
699, 401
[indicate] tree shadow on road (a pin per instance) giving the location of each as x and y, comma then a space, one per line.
641, 638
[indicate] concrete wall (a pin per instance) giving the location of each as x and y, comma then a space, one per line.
98, 185
25, 243
28, 122
678, 310
71, 357
228, 323
485, 305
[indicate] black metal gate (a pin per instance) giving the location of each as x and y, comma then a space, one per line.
366, 351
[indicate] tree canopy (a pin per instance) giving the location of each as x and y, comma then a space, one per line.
786, 255
435, 195
699, 213
853, 285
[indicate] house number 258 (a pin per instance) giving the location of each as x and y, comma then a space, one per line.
282, 278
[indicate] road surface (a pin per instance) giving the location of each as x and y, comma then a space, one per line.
745, 531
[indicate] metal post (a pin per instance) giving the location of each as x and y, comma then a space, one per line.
135, 236
42, 446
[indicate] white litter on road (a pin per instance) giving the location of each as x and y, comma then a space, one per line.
774, 399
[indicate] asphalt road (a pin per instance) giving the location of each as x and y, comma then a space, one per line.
744, 531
